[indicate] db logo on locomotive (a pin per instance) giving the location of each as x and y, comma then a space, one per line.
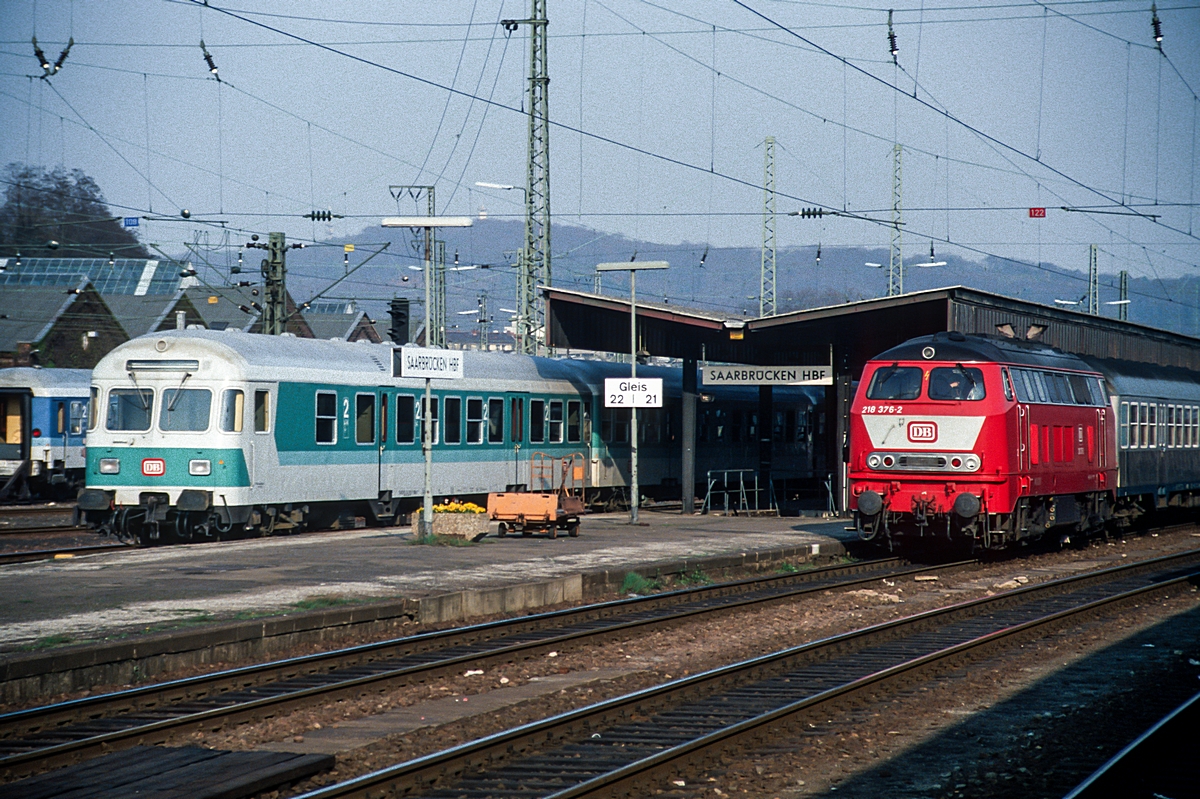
154, 467
922, 431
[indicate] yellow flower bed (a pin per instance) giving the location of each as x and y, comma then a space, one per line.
456, 507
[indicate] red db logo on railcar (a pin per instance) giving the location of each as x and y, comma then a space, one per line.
154, 467
922, 431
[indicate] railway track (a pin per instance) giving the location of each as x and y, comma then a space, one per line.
73, 529
38, 738
632, 744
33, 555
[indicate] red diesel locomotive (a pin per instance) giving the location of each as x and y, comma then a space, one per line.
982, 440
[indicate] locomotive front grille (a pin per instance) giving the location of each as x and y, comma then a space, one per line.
924, 461
921, 462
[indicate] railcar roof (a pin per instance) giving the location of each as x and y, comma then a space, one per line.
963, 348
74, 381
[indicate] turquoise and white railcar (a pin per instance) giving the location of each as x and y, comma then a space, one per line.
202, 433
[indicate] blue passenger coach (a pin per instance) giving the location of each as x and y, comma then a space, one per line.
199, 434
42, 420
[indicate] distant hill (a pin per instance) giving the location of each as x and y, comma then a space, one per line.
725, 280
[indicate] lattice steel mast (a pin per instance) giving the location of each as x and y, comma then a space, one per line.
1093, 304
896, 259
534, 262
766, 294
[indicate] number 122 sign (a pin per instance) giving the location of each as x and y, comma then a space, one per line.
627, 392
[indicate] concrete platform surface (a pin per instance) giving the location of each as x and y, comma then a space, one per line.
136, 591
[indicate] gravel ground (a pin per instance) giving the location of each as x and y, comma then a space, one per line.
1010, 726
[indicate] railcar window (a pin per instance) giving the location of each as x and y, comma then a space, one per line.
537, 421
1123, 426
433, 418
956, 383
555, 425
1039, 386
233, 403
185, 409
1081, 390
406, 412
129, 409
1150, 434
651, 431
516, 419
326, 417
1006, 379
895, 383
614, 425
60, 418
453, 413
262, 411
474, 420
495, 420
364, 418
94, 408
79, 409
574, 421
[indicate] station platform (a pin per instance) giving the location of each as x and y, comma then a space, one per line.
136, 612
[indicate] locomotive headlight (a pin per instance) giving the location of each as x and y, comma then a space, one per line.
972, 463
110, 466
200, 467
874, 460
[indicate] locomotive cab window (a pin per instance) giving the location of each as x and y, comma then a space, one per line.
895, 383
326, 417
233, 402
364, 418
963, 383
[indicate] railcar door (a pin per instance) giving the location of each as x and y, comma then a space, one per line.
518, 403
264, 459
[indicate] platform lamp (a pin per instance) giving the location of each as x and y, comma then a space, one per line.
427, 223
632, 268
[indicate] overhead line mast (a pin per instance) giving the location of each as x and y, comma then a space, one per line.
766, 294
534, 263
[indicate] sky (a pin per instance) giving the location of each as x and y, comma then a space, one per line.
659, 113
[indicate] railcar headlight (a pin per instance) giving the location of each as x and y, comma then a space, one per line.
873, 461
110, 466
972, 463
200, 467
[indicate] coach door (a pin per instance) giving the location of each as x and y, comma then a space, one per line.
518, 472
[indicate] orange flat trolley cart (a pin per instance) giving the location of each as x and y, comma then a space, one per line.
529, 512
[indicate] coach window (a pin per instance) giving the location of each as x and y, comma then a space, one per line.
474, 420
453, 421
496, 420
516, 419
574, 421
555, 422
614, 425
185, 410
433, 417
233, 403
895, 383
406, 412
537, 421
1123, 426
364, 418
262, 411
326, 417
60, 418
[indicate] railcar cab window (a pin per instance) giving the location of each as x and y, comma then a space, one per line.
895, 383
962, 383
262, 411
130, 409
94, 409
185, 410
233, 403
326, 417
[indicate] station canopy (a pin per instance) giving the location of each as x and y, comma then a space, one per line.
853, 333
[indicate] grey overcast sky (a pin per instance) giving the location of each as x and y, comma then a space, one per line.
659, 109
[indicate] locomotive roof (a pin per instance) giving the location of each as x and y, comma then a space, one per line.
43, 381
963, 348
